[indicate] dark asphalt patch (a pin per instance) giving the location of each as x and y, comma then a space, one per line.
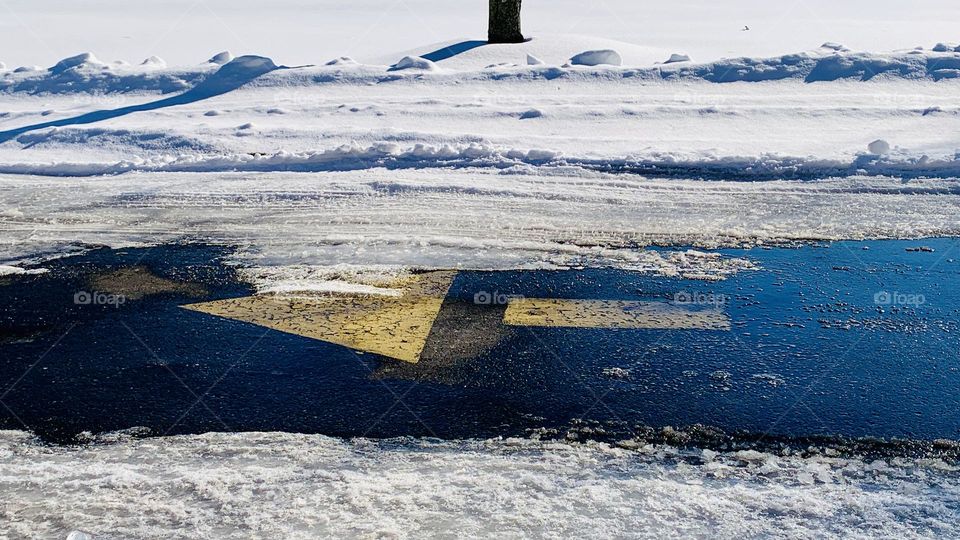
812, 354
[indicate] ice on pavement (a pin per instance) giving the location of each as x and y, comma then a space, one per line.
470, 218
7, 270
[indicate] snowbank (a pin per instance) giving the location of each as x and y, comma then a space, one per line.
308, 486
424, 156
469, 61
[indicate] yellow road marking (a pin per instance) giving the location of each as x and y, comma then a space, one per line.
396, 327
399, 326
611, 314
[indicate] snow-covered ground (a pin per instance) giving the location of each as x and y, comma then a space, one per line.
376, 136
465, 218
297, 486
311, 31
461, 163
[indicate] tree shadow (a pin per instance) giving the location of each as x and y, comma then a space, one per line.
453, 50
231, 76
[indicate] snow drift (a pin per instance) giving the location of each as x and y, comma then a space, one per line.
306, 486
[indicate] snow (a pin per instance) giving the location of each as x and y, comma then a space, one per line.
589, 119
6, 270
342, 61
80, 61
297, 32
479, 218
309, 486
879, 146
414, 62
221, 58
946, 47
523, 166
334, 175
154, 62
834, 47
602, 57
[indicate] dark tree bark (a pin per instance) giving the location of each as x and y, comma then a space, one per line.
505, 22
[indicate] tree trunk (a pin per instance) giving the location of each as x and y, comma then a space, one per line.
505, 22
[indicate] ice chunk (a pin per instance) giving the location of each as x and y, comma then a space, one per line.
879, 147
533, 60
676, 57
17, 271
78, 535
413, 62
598, 58
945, 47
27, 69
3, 66
616, 373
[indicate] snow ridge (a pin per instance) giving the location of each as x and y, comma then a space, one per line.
216, 485
388, 155
84, 73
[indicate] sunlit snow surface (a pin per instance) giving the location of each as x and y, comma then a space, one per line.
471, 219
324, 173
298, 486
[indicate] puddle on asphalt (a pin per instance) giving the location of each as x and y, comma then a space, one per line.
835, 343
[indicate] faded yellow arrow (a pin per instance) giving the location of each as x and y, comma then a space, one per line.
399, 326
611, 314
396, 327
